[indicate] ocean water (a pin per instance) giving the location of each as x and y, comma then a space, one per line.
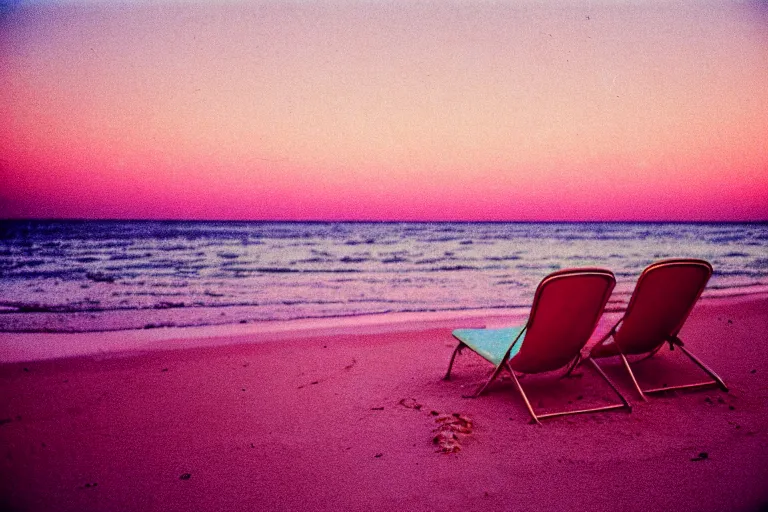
105, 275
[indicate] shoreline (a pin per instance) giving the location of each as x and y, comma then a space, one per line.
750, 292
38, 346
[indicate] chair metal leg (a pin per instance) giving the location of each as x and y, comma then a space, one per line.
575, 364
453, 356
634, 380
487, 383
537, 417
643, 392
525, 399
706, 369
610, 383
695, 385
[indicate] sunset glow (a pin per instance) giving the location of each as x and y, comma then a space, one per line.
385, 111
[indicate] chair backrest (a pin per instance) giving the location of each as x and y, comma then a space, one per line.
663, 298
565, 311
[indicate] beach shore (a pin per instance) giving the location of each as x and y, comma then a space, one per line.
345, 419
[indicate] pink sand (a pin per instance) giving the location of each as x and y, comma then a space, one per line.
328, 421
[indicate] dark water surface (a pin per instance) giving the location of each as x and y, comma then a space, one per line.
97, 275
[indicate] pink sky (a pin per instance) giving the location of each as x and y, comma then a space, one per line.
601, 110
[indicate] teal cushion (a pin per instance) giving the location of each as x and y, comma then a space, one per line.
491, 344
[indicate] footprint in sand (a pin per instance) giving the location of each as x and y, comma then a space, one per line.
450, 431
451, 428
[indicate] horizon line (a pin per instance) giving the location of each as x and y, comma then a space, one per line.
381, 221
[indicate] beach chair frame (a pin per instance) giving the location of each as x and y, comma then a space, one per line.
576, 362
673, 340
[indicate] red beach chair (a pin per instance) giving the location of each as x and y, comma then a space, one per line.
663, 298
564, 314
